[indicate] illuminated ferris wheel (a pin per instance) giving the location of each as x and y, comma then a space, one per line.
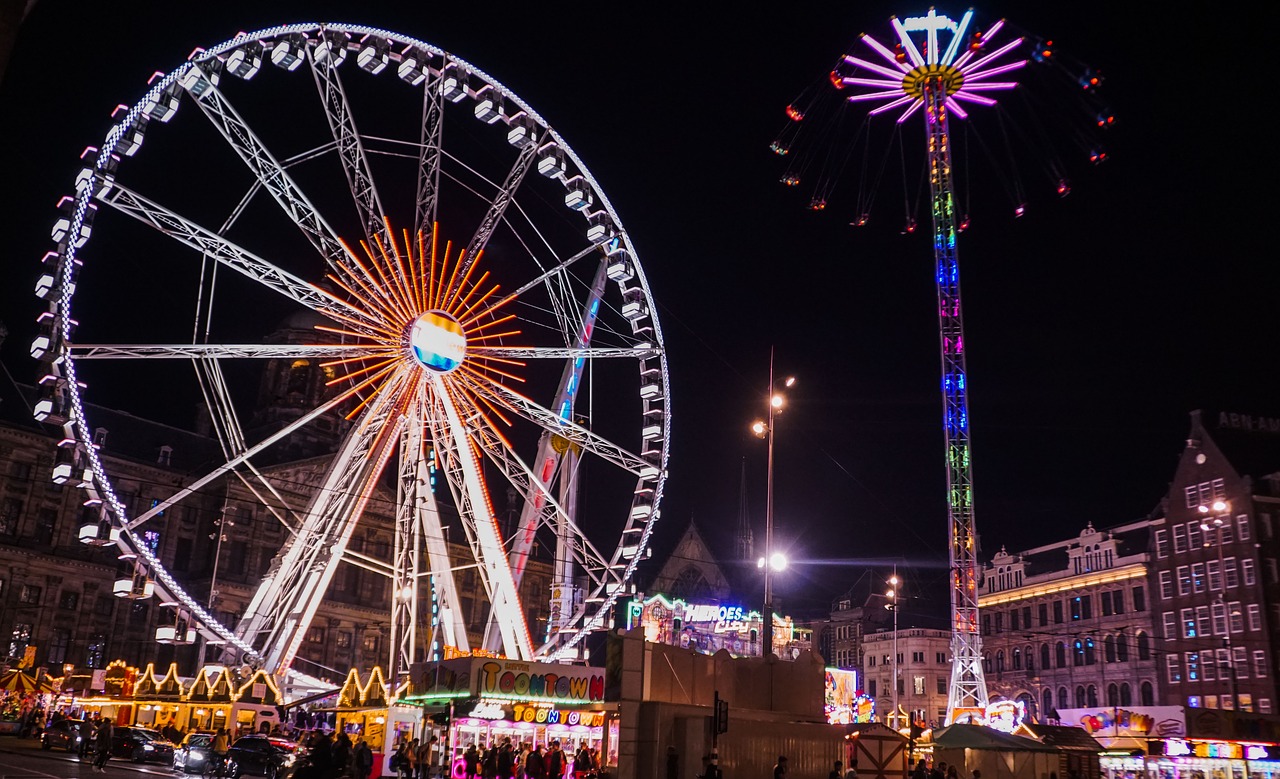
479, 310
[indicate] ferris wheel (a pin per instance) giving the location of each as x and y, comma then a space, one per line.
480, 313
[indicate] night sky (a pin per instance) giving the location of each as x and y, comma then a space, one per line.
1095, 323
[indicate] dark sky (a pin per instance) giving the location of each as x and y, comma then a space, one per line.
1095, 323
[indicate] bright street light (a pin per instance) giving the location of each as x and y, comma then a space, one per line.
776, 561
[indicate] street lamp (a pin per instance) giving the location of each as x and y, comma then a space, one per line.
892, 605
1222, 510
772, 561
219, 535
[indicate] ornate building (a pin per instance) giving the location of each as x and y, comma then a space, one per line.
923, 672
1069, 624
854, 615
1217, 580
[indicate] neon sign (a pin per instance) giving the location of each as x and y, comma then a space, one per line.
488, 710
552, 716
1175, 747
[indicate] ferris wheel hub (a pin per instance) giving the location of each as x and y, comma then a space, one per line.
437, 342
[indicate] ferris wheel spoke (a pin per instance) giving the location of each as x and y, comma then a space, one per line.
521, 477
417, 497
231, 464
220, 351
429, 159
498, 206
286, 601
550, 421
351, 152
270, 173
222, 250
562, 353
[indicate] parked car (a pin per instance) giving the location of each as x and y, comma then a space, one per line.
63, 734
141, 745
192, 755
259, 755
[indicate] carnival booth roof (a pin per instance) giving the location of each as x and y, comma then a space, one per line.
17, 681
979, 737
1063, 737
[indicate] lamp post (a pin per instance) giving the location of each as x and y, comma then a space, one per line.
219, 535
892, 605
771, 561
1222, 510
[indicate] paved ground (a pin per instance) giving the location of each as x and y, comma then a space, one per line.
22, 758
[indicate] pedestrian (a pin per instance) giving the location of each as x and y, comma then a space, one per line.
102, 742
555, 762
362, 759
952, 773
852, 773
837, 772
939, 770
506, 760
84, 731
921, 771
489, 764
400, 761
471, 760
535, 765
427, 758
780, 770
342, 753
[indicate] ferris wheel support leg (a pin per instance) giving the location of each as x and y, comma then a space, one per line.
536, 511
407, 543
281, 610
478, 514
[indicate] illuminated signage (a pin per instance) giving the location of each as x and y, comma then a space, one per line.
840, 696
1175, 747
552, 716
703, 627
1255, 752
488, 710
1006, 716
538, 680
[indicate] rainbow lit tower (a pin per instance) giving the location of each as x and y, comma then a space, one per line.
922, 76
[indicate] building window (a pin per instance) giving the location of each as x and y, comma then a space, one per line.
1061, 657
344, 639
1109, 650
1247, 572
1188, 623
1106, 604
10, 514
1057, 612
1013, 620
1063, 703
59, 645
1166, 584
1215, 575
69, 599
1026, 617
917, 685
370, 642
1017, 659
19, 639
1237, 617
871, 687
1219, 619
1240, 661
1197, 577
1075, 608
1255, 616
1193, 535
1184, 580
1162, 543
1139, 599
942, 685
1179, 539
315, 635
1086, 606
1173, 667
104, 606
1202, 621
1081, 700
29, 594
97, 651
138, 615
1122, 647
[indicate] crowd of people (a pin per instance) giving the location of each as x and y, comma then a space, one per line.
499, 760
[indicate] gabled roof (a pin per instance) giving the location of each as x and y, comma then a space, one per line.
979, 737
1063, 737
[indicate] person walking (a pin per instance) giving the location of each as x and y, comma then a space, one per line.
471, 760
555, 761
342, 754
102, 742
85, 731
780, 770
535, 765
362, 759
837, 772
427, 758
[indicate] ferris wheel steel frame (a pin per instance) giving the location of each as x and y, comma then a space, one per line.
936, 82
422, 409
